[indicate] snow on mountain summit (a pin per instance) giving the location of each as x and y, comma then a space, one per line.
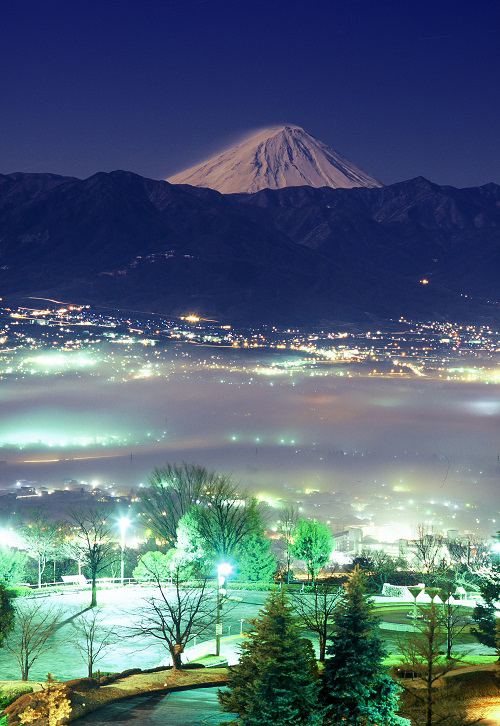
274, 158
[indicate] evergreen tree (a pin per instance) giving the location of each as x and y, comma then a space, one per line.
355, 690
6, 612
12, 566
484, 613
256, 562
276, 680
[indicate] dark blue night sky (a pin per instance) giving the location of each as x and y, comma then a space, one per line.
400, 88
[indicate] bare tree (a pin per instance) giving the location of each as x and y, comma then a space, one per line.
92, 639
41, 537
177, 613
35, 625
430, 701
458, 551
316, 610
428, 546
74, 549
172, 491
451, 616
95, 541
226, 519
287, 525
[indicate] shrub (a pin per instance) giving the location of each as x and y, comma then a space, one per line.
9, 695
21, 590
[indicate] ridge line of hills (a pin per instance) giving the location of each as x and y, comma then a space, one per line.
295, 255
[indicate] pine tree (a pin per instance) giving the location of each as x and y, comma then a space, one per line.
276, 680
355, 690
484, 613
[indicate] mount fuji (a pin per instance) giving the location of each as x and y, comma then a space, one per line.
286, 156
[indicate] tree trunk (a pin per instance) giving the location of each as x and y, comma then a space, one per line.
93, 602
449, 626
322, 648
176, 658
39, 573
430, 673
24, 670
428, 709
449, 643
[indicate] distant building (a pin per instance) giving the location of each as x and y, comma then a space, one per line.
348, 541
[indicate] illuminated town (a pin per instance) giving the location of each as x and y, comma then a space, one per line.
80, 344
250, 363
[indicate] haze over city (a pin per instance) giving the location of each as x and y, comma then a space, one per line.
250, 363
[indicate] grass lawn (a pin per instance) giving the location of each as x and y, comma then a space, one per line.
394, 660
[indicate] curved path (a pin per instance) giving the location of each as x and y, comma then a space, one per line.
183, 708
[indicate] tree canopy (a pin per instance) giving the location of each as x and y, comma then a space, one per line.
172, 492
256, 562
154, 567
12, 566
312, 543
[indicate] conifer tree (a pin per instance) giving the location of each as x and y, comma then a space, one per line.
276, 681
6, 612
355, 690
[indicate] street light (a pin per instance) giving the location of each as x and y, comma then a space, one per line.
123, 523
223, 570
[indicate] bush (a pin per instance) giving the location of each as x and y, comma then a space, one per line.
9, 695
102, 674
266, 586
20, 590
258, 586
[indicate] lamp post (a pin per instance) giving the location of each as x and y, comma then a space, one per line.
123, 523
415, 591
223, 570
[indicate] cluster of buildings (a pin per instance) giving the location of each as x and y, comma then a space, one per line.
406, 348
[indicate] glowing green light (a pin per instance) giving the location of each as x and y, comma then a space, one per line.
51, 360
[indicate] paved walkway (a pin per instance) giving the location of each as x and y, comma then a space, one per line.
85, 702
161, 682
183, 708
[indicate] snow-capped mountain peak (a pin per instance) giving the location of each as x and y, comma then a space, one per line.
273, 158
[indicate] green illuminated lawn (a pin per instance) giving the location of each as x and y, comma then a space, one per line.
394, 660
